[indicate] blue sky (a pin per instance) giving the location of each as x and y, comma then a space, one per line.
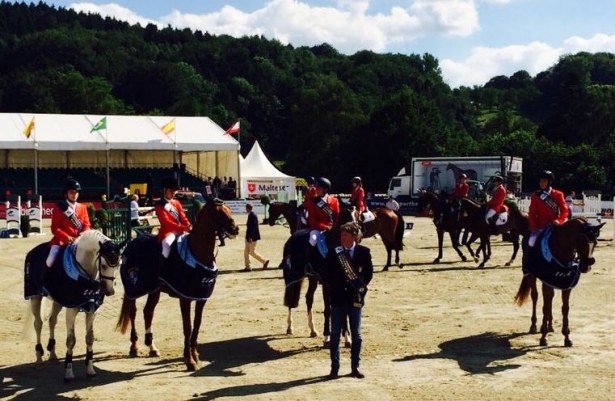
474, 40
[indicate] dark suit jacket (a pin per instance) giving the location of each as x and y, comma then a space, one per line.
342, 293
252, 231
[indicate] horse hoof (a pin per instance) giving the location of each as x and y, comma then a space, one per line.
464, 259
436, 261
475, 260
543, 342
133, 353
289, 332
401, 266
507, 264
385, 269
567, 343
533, 330
347, 344
191, 367
313, 334
154, 353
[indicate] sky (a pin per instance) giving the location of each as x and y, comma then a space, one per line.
473, 40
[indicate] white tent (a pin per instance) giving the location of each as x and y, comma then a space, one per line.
260, 177
78, 140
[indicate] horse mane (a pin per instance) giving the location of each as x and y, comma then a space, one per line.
87, 246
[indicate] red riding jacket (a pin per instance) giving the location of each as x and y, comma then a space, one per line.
168, 222
461, 189
357, 198
497, 199
63, 228
541, 214
317, 218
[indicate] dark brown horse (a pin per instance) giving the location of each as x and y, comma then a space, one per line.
446, 222
289, 211
178, 280
390, 226
474, 222
571, 246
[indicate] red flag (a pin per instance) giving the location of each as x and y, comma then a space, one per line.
233, 129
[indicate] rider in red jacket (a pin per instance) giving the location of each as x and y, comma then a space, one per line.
68, 221
462, 188
173, 220
495, 204
547, 206
322, 210
358, 194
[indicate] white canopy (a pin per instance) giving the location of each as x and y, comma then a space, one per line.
73, 132
260, 177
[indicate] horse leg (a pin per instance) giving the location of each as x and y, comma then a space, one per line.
440, 243
35, 308
309, 303
515, 241
534, 295
89, 343
565, 310
547, 316
53, 321
289, 322
196, 326
148, 317
468, 244
454, 235
71, 315
326, 297
184, 305
485, 245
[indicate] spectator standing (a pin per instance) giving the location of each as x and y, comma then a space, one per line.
392, 204
252, 237
134, 210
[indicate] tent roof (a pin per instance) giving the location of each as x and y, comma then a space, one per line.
72, 132
257, 165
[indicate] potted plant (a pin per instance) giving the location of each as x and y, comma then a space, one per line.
24, 225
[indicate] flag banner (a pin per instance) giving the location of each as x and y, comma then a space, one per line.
168, 127
102, 124
29, 128
233, 129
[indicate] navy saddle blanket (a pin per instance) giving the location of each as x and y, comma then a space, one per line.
301, 258
561, 275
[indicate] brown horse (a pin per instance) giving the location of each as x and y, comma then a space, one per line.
390, 226
571, 247
517, 224
449, 222
196, 282
287, 210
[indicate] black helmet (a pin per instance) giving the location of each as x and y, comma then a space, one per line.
356, 179
71, 184
323, 182
170, 183
547, 175
310, 180
497, 177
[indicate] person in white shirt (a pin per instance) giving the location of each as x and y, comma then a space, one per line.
569, 199
134, 210
392, 204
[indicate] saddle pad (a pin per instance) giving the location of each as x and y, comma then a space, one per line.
192, 282
71, 267
139, 270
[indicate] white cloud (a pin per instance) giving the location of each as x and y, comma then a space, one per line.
112, 10
484, 63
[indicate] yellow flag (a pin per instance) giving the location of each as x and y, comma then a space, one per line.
29, 128
168, 127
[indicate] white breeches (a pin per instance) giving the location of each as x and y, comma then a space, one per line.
532, 240
490, 214
166, 245
53, 252
314, 237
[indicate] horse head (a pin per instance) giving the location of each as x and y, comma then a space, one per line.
576, 239
587, 240
220, 213
100, 258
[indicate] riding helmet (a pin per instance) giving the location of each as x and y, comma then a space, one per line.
310, 180
323, 182
356, 179
547, 175
71, 184
497, 178
170, 183
462, 175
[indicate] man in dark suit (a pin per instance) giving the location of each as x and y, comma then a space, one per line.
348, 272
252, 236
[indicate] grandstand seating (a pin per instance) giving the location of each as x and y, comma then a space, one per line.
20, 181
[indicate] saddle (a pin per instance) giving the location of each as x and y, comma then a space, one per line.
540, 262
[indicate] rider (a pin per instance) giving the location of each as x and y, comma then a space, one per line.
461, 188
68, 221
547, 206
311, 191
495, 204
173, 220
358, 194
322, 210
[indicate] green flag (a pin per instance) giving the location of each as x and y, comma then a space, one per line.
102, 124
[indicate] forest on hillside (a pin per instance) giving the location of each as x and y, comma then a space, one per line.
313, 109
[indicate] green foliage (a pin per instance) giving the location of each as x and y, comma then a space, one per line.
99, 218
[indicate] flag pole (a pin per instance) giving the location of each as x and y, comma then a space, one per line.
107, 164
239, 164
35, 159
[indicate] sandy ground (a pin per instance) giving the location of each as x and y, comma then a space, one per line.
431, 332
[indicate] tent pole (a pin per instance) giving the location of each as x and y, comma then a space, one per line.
239, 194
108, 177
35, 168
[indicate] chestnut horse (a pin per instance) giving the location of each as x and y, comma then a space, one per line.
558, 258
189, 274
83, 274
516, 225
450, 222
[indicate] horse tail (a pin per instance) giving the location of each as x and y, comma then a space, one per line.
292, 293
524, 290
124, 320
399, 232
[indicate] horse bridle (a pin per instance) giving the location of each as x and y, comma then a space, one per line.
109, 264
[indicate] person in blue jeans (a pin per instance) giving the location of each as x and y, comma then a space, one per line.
348, 272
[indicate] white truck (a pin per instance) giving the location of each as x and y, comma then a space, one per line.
440, 174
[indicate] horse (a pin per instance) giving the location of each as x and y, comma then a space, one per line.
449, 223
189, 274
288, 210
310, 267
560, 255
83, 274
516, 225
457, 171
